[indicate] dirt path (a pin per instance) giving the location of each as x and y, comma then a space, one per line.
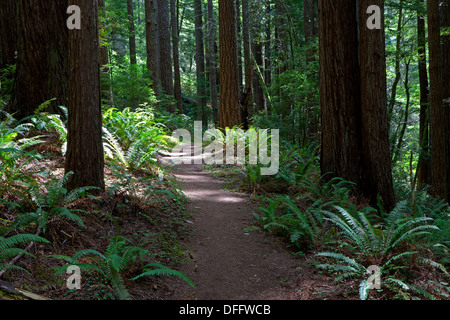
226, 261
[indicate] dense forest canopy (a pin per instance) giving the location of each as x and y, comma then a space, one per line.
359, 92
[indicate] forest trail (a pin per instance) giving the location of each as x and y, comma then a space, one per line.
226, 262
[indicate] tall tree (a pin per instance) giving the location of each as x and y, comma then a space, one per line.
8, 32
84, 155
423, 166
438, 130
41, 72
211, 60
165, 51
256, 46
176, 55
132, 35
152, 44
374, 119
230, 109
355, 143
200, 61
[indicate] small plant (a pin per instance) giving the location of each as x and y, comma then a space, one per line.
380, 244
9, 249
118, 257
51, 201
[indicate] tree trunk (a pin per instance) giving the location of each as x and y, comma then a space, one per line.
175, 55
165, 53
230, 109
152, 44
374, 119
41, 72
423, 166
8, 32
200, 62
339, 90
131, 29
105, 71
437, 114
212, 63
85, 156
445, 40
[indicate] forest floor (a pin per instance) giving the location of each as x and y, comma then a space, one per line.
230, 257
211, 236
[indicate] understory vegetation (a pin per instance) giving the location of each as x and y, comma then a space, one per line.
118, 237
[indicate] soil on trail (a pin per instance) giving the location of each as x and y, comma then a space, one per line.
226, 261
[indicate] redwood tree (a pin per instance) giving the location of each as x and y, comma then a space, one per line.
230, 109
42, 40
85, 156
355, 143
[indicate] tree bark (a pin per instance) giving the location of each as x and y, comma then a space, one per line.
132, 36
339, 90
230, 109
41, 72
212, 63
423, 166
152, 44
165, 52
8, 32
437, 114
176, 55
85, 156
374, 118
200, 62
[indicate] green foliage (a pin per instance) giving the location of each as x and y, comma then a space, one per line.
380, 243
9, 249
120, 254
51, 201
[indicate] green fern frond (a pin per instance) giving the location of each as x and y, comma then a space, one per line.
162, 270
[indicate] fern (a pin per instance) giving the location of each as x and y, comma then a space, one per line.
162, 270
9, 250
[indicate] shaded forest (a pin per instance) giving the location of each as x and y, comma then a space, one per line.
91, 92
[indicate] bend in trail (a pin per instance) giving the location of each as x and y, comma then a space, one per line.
226, 262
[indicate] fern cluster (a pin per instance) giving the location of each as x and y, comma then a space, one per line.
120, 254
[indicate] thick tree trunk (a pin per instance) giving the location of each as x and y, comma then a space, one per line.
374, 119
85, 156
339, 90
445, 40
437, 114
41, 72
230, 109
165, 54
423, 167
152, 44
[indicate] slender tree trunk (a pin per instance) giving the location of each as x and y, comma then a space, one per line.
230, 110
200, 62
212, 63
41, 72
423, 167
437, 114
152, 44
239, 44
246, 41
176, 55
268, 46
105, 71
131, 29
85, 156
